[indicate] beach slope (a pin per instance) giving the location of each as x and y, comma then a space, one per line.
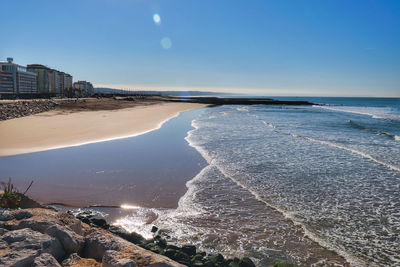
65, 128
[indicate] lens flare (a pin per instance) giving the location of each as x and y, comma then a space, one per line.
166, 43
157, 19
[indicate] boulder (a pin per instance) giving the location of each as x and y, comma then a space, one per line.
131, 237
24, 245
99, 241
189, 250
45, 260
69, 240
75, 261
112, 258
40, 237
17, 258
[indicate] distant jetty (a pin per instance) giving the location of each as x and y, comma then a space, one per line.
217, 101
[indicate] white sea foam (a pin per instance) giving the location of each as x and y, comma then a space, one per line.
243, 109
362, 154
221, 162
187, 207
269, 124
374, 112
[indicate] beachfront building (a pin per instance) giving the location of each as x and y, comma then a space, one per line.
24, 81
61, 82
83, 88
6, 82
42, 77
68, 85
53, 81
33, 79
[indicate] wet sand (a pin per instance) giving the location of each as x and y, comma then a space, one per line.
149, 170
72, 124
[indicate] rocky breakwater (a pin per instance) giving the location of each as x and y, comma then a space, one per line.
187, 254
16, 109
44, 237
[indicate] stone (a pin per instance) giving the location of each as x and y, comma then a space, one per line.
99, 222
246, 262
21, 214
131, 237
170, 253
18, 257
216, 258
181, 257
172, 247
45, 260
68, 239
112, 258
154, 229
5, 215
97, 243
75, 261
40, 234
23, 245
36, 225
189, 250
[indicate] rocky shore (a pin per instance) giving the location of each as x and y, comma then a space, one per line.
187, 254
16, 109
44, 237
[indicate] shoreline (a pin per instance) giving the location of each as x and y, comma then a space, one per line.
65, 128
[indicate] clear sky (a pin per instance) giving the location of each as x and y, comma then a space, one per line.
265, 47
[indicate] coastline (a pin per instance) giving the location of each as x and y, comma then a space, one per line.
59, 129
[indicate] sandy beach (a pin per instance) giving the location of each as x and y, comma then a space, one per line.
75, 125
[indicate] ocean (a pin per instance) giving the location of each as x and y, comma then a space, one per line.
308, 185
282, 180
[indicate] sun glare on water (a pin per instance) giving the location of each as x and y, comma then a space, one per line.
129, 207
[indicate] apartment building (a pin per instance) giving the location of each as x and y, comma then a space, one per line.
83, 88
6, 82
24, 81
42, 77
35, 78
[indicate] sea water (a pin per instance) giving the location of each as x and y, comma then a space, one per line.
310, 185
282, 180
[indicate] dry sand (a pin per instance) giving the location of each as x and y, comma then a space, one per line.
68, 127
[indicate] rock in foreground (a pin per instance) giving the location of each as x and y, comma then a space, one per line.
43, 237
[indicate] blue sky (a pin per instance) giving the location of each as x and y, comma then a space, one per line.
281, 47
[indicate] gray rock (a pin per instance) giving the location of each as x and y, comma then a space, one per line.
75, 261
25, 244
5, 215
112, 258
45, 260
97, 244
40, 226
71, 260
160, 264
18, 258
21, 214
70, 242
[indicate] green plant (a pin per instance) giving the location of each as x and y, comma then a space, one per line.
11, 198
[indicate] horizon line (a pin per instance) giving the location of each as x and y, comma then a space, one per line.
241, 91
